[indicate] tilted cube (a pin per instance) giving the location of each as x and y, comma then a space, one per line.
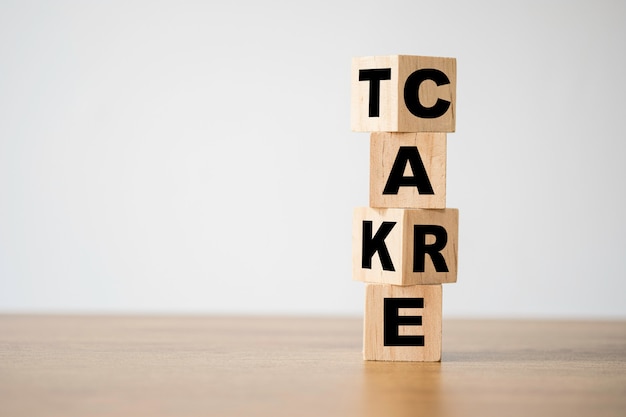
403, 93
405, 246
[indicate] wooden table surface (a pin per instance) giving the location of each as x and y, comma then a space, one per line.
261, 366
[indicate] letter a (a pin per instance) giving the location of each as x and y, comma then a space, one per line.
397, 179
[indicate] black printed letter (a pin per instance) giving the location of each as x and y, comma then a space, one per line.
397, 179
392, 320
420, 248
371, 245
411, 91
374, 76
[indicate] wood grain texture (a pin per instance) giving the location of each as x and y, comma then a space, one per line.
431, 149
374, 348
394, 115
262, 366
400, 245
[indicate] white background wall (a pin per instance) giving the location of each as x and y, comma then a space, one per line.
183, 156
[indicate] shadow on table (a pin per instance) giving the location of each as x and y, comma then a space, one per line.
402, 389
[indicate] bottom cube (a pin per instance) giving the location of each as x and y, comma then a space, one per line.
402, 323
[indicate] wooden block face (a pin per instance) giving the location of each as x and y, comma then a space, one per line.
405, 246
402, 323
403, 93
408, 170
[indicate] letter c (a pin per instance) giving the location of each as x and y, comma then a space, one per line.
411, 89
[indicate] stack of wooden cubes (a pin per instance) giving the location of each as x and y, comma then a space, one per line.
405, 244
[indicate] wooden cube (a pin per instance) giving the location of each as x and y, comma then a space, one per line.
405, 246
408, 170
402, 323
403, 93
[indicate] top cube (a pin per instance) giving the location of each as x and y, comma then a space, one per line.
403, 93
